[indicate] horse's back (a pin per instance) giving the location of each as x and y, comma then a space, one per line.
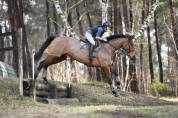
57, 46
61, 45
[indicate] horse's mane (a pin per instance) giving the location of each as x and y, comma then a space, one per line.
115, 36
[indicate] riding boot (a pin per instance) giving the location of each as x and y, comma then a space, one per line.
91, 52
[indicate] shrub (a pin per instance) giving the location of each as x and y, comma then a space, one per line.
159, 89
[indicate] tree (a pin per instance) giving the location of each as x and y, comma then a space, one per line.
1, 45
174, 24
158, 50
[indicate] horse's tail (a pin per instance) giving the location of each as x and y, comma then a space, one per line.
39, 53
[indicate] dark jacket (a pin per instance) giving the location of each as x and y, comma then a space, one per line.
97, 31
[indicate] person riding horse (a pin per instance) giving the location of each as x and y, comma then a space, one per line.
96, 32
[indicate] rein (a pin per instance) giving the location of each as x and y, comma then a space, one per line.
115, 48
122, 50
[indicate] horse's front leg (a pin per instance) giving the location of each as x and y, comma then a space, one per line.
108, 74
44, 75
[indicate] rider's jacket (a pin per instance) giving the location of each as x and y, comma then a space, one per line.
97, 31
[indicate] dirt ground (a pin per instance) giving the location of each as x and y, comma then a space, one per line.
39, 110
95, 101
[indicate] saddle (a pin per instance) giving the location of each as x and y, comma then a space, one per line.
84, 40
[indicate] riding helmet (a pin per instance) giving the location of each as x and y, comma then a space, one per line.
107, 24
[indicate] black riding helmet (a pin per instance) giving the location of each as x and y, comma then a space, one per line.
107, 24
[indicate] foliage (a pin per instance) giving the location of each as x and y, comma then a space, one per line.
159, 89
9, 95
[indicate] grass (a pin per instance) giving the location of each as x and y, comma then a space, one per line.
164, 111
95, 102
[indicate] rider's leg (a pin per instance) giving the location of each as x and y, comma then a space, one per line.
91, 48
90, 38
92, 43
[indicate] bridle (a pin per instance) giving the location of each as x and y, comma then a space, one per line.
124, 49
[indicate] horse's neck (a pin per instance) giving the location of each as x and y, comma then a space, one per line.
117, 43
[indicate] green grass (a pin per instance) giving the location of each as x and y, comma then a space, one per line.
9, 95
164, 111
96, 101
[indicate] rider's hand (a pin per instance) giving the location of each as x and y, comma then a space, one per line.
99, 38
104, 39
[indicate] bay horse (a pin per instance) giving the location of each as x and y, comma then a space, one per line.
61, 47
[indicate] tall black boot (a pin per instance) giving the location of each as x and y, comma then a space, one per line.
91, 52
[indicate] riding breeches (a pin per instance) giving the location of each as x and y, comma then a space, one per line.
90, 38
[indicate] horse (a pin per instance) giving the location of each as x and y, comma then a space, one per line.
61, 47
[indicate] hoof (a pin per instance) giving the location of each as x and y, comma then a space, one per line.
115, 93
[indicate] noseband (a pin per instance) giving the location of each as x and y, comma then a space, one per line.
123, 49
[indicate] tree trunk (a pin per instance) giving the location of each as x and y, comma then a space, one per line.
56, 29
12, 13
142, 82
130, 15
150, 48
120, 18
104, 7
158, 50
2, 56
150, 55
125, 14
27, 67
47, 18
88, 14
15, 12
78, 18
174, 23
115, 26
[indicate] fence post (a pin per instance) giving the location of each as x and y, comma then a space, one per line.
68, 70
20, 66
33, 75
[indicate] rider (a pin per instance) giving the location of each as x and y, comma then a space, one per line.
96, 32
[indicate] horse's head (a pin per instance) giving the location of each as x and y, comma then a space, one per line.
124, 42
129, 48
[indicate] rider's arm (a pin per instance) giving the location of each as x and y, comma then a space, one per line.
99, 33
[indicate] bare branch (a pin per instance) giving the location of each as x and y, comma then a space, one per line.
75, 5
148, 19
171, 34
64, 18
79, 19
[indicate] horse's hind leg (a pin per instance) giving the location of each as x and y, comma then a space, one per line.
47, 62
107, 71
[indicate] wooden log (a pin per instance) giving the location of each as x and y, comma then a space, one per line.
42, 93
63, 101
41, 99
61, 88
27, 85
69, 92
62, 94
42, 86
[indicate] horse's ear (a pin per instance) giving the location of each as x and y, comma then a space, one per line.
132, 36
